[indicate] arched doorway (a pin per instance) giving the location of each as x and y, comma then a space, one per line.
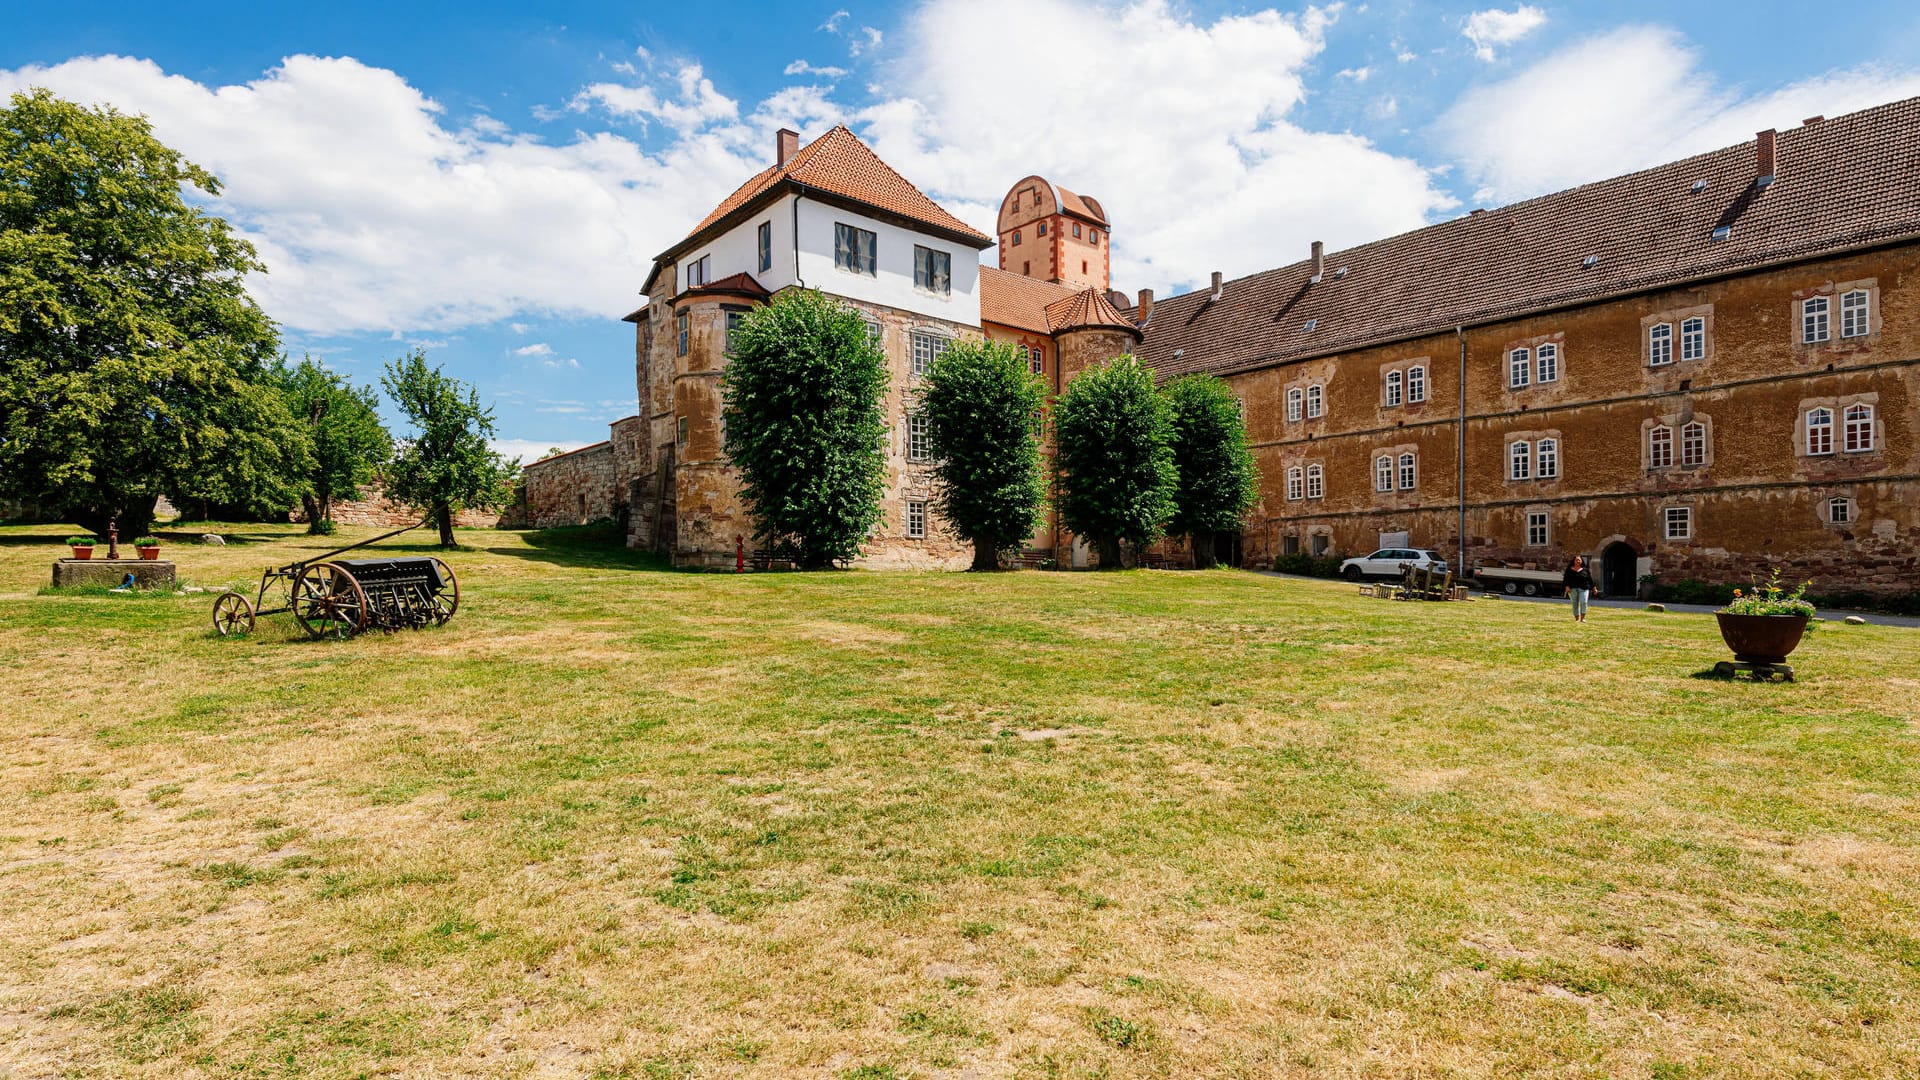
1618, 570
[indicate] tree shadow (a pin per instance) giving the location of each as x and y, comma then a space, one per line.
601, 547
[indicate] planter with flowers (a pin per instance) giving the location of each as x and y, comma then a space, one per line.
81, 547
148, 547
1763, 625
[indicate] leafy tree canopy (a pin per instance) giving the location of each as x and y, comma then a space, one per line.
1114, 476
983, 410
1218, 480
805, 426
343, 425
132, 361
445, 466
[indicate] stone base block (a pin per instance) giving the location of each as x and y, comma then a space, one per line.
147, 573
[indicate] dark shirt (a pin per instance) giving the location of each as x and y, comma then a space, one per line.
1578, 579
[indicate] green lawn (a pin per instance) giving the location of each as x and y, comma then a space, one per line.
613, 821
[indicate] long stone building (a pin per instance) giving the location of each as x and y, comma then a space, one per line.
1697, 370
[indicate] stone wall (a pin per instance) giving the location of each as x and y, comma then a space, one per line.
378, 511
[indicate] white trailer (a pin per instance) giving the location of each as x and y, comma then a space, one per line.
1518, 581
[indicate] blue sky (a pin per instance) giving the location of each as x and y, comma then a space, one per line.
490, 182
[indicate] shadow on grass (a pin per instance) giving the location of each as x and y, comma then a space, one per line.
599, 546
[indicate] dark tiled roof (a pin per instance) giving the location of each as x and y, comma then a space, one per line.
839, 163
1849, 182
1018, 301
1086, 309
741, 284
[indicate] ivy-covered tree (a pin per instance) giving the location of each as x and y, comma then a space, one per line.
982, 407
805, 426
445, 466
343, 425
1114, 476
132, 361
1218, 480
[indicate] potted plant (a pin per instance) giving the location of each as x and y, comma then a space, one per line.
148, 547
81, 546
1764, 624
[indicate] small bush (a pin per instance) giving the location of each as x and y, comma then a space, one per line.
1320, 566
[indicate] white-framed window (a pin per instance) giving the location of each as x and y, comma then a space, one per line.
1316, 481
680, 431
1853, 314
1519, 368
1693, 444
1536, 528
1294, 397
1679, 522
1546, 363
855, 249
1296, 484
1520, 460
916, 519
733, 323
763, 242
1814, 320
1693, 338
1315, 401
1839, 510
919, 438
1036, 360
699, 271
1546, 459
1383, 473
1659, 344
927, 348
1409, 471
1393, 388
1858, 427
1416, 384
682, 332
932, 270
1819, 432
875, 331
1660, 446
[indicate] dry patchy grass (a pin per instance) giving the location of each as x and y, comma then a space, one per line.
618, 822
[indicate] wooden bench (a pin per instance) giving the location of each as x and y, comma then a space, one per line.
1030, 559
762, 559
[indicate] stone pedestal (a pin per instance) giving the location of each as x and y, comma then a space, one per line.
147, 573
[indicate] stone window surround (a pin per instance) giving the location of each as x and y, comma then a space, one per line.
1823, 507
1677, 421
1675, 317
1302, 383
1526, 525
1532, 438
1392, 454
1660, 521
1832, 290
1402, 366
1303, 465
1558, 339
1837, 404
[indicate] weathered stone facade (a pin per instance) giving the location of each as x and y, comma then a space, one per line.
593, 483
376, 510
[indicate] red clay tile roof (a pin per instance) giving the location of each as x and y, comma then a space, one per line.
741, 284
1085, 206
1015, 300
1085, 309
840, 164
1844, 183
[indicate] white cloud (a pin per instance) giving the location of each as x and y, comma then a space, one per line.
1359, 74
530, 449
1625, 100
832, 25
1231, 184
867, 40
538, 348
519, 327
374, 212
568, 363
1385, 108
697, 105
801, 67
1490, 29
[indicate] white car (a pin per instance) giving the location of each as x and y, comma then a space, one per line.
1388, 562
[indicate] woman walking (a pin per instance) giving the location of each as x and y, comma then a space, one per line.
1579, 583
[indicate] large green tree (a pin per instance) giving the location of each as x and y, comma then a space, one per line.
1218, 480
343, 425
132, 361
805, 426
982, 407
1113, 463
445, 465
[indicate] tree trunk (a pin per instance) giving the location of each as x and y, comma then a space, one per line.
1202, 544
133, 519
443, 515
314, 511
986, 553
1109, 549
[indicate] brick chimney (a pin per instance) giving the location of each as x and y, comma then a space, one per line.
1319, 260
785, 145
1144, 310
1811, 120
1764, 150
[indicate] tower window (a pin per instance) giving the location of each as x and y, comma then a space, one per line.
1016, 238
1093, 237
1076, 230
1040, 229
